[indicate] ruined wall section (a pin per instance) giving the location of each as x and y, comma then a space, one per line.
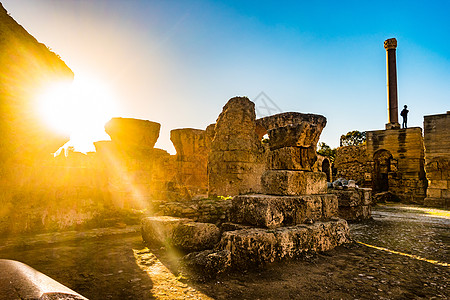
237, 158
351, 162
437, 159
192, 146
406, 174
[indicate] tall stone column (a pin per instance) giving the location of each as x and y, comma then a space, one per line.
390, 45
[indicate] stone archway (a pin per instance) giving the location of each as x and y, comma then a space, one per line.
382, 166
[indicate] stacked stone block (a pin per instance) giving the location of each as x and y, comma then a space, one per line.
237, 157
291, 159
295, 215
354, 203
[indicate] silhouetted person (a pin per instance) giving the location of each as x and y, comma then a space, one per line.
404, 115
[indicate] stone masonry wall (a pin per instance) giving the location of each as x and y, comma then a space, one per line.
351, 162
437, 159
403, 149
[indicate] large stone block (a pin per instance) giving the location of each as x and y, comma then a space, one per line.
195, 236
434, 193
275, 211
258, 245
438, 184
181, 233
349, 197
293, 183
303, 134
355, 213
288, 118
366, 196
207, 263
189, 142
292, 158
130, 132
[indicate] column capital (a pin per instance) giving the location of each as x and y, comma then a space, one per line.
390, 44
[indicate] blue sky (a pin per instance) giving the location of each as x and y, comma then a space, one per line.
178, 62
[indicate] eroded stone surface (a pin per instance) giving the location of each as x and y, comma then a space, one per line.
354, 203
275, 211
131, 132
195, 236
292, 158
208, 263
181, 233
290, 183
304, 135
258, 245
237, 157
192, 146
355, 213
265, 124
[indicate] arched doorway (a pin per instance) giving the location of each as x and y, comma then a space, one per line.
382, 167
326, 169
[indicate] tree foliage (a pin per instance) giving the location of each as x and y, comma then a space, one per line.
326, 150
353, 138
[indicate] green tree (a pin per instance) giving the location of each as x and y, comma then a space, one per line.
326, 150
353, 138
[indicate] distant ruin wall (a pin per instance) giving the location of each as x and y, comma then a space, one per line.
351, 162
397, 161
437, 159
192, 146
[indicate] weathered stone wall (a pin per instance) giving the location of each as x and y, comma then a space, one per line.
437, 159
237, 157
192, 146
397, 161
351, 162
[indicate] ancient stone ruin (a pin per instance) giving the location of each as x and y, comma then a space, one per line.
392, 161
437, 159
292, 213
237, 157
354, 202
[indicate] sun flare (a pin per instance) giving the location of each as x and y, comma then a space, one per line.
79, 109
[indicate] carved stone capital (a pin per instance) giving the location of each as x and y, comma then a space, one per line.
390, 44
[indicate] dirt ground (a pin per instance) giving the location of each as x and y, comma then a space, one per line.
117, 265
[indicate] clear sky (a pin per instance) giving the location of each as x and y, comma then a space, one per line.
178, 62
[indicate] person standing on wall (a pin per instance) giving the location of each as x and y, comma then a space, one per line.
404, 115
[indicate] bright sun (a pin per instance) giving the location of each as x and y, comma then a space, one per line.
79, 109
